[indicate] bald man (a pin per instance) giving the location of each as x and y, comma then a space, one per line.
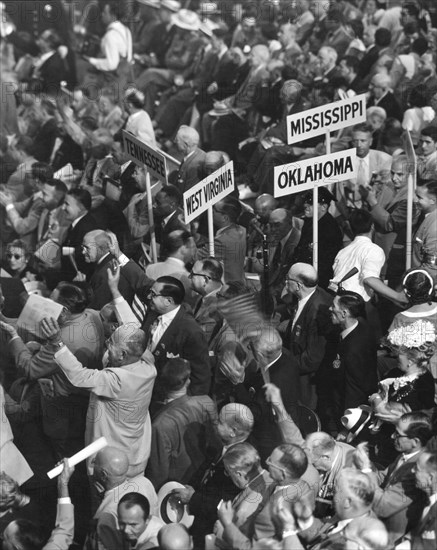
110, 479
175, 536
305, 335
119, 394
96, 250
187, 143
273, 363
235, 422
382, 96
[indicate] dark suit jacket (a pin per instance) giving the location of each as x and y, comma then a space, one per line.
424, 534
307, 340
48, 77
185, 338
355, 378
284, 374
99, 284
390, 105
180, 432
74, 238
189, 170
279, 271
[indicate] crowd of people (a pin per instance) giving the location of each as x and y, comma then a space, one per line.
248, 399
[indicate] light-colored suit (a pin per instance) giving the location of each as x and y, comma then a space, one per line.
377, 162
119, 405
62, 534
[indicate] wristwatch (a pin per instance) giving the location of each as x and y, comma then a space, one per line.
59, 345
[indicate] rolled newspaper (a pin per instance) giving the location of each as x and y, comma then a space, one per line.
88, 451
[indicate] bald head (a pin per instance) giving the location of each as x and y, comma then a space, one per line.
264, 206
260, 55
126, 345
301, 280
239, 420
268, 346
113, 460
174, 536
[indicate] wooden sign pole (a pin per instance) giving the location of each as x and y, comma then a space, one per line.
211, 232
151, 221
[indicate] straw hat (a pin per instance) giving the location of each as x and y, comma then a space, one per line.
170, 509
354, 420
187, 19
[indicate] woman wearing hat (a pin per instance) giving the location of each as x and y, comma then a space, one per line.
330, 235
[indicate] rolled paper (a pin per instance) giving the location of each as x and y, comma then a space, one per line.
85, 453
68, 250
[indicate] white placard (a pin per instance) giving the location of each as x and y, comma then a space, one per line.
144, 155
35, 310
303, 175
327, 118
209, 191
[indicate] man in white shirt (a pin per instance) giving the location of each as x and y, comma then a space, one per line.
114, 66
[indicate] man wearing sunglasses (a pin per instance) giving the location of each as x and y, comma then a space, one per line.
398, 500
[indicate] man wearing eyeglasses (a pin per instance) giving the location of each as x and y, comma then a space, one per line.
170, 330
398, 501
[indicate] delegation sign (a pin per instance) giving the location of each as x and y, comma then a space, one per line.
208, 192
303, 175
144, 155
327, 118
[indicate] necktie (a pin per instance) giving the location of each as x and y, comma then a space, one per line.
198, 306
277, 256
362, 173
156, 331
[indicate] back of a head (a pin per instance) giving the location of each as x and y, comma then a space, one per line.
239, 416
306, 274
174, 536
270, 342
28, 535
174, 374
293, 459
382, 37
361, 222
231, 207
189, 135
134, 342
115, 461
82, 196
42, 171
360, 485
72, 297
175, 240
320, 442
417, 425
370, 532
353, 303
213, 268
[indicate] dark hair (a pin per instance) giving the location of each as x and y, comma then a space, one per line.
231, 207
136, 499
174, 374
174, 240
411, 8
42, 171
431, 187
29, 535
83, 196
419, 427
53, 39
430, 131
360, 221
213, 268
18, 243
382, 37
115, 7
4, 144
417, 97
363, 127
353, 63
72, 297
59, 185
420, 45
358, 27
354, 303
294, 460
172, 192
172, 288
135, 98
418, 288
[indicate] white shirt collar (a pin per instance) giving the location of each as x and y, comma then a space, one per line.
166, 220
406, 457
173, 260
102, 258
432, 499
77, 220
273, 362
303, 301
167, 318
347, 331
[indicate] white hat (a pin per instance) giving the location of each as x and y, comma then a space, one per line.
171, 509
354, 420
187, 19
207, 26
171, 5
151, 3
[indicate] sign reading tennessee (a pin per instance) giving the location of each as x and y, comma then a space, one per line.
144, 155
209, 191
303, 175
327, 118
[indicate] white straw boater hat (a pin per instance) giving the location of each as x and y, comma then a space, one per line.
186, 19
171, 509
354, 420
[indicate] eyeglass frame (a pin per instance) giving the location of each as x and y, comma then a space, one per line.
269, 462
